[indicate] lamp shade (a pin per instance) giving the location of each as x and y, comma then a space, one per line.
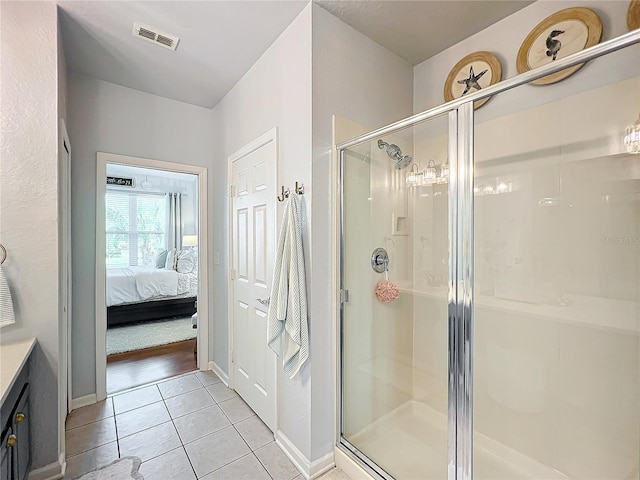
189, 240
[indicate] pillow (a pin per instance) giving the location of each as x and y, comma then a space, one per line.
185, 261
170, 263
161, 259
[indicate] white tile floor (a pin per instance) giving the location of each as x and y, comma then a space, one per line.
189, 427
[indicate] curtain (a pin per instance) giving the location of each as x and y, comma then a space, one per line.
174, 223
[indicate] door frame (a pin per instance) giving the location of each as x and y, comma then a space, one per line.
65, 392
262, 140
102, 159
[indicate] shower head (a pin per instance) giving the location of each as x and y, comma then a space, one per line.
394, 152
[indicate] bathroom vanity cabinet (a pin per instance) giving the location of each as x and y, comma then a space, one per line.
15, 415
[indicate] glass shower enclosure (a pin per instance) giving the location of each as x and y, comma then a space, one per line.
490, 284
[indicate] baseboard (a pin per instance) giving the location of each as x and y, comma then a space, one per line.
83, 401
219, 372
291, 451
348, 466
322, 465
308, 469
53, 471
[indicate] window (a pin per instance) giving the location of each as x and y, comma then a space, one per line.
136, 228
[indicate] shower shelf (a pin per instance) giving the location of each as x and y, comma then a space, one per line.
595, 312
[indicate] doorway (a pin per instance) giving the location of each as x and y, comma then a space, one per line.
150, 272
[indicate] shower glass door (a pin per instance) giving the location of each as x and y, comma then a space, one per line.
557, 279
395, 350
490, 316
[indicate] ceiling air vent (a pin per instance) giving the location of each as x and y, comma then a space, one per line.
154, 35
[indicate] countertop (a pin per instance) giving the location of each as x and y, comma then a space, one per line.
13, 356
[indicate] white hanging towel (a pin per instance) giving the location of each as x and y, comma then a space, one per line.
6, 303
288, 329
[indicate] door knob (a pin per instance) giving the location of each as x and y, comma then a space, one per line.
264, 302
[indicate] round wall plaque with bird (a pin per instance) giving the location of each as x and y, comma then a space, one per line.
633, 15
557, 36
471, 74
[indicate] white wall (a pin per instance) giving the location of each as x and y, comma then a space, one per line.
109, 118
504, 39
29, 200
355, 78
275, 92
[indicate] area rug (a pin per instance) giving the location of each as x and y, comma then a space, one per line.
124, 468
136, 336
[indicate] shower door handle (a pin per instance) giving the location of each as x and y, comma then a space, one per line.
264, 302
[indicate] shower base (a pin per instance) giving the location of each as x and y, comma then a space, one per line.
411, 441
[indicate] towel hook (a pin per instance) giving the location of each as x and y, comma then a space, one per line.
4, 254
285, 193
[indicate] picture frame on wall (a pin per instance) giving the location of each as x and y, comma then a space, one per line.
557, 36
474, 72
633, 15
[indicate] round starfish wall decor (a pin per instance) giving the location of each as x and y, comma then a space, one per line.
471, 74
557, 36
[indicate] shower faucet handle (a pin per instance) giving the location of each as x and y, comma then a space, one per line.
380, 260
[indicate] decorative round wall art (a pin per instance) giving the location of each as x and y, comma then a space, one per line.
557, 36
633, 15
473, 73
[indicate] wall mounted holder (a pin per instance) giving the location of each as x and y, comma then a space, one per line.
285, 193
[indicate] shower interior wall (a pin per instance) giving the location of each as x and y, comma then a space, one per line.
567, 227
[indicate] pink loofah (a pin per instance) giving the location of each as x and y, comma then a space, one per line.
387, 291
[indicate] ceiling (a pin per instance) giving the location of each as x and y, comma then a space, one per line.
220, 40
418, 30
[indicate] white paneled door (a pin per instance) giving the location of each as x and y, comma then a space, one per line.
253, 239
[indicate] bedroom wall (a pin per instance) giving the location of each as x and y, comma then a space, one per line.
355, 78
31, 100
275, 92
109, 118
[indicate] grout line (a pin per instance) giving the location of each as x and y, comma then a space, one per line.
88, 423
145, 429
133, 409
229, 463
150, 384
193, 469
245, 442
117, 436
263, 465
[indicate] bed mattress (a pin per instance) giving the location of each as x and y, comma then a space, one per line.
143, 284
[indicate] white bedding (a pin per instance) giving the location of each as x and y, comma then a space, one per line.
140, 284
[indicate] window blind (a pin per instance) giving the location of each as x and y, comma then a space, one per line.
135, 228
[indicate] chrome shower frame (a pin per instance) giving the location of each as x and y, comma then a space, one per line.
461, 269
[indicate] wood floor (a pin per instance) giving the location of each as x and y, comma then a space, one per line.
132, 369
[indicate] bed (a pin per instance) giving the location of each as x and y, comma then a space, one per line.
136, 294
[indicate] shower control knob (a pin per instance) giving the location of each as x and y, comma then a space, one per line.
379, 260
